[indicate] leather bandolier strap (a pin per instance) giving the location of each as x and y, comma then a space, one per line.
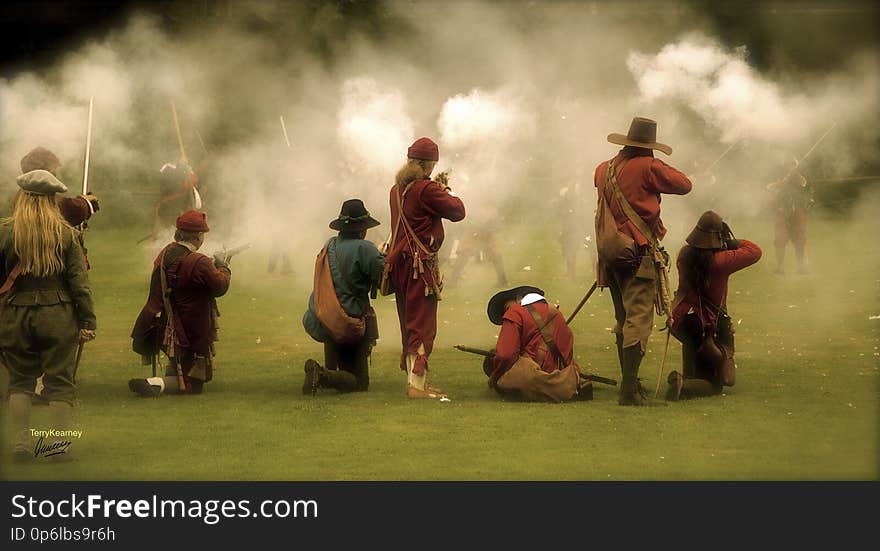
170, 337
663, 301
430, 258
544, 329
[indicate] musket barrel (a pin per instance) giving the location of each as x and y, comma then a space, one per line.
232, 252
284, 130
471, 350
85, 187
179, 136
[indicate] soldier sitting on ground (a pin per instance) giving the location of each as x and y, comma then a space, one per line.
347, 272
533, 359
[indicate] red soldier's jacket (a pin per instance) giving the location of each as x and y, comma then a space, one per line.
194, 282
425, 204
642, 179
520, 335
724, 263
75, 210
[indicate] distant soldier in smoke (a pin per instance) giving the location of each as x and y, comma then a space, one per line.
573, 236
480, 241
348, 270
628, 231
179, 189
533, 358
701, 321
278, 237
418, 207
45, 305
180, 316
793, 198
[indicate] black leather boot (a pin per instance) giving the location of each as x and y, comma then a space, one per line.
631, 391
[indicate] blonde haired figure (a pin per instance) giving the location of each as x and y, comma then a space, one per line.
45, 307
418, 207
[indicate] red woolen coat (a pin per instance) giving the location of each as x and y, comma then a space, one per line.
641, 181
75, 210
425, 205
195, 283
724, 263
520, 335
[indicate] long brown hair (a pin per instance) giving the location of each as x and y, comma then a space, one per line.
694, 268
413, 171
38, 229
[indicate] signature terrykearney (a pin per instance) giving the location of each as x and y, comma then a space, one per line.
55, 433
48, 450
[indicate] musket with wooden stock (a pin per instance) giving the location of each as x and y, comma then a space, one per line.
664, 307
490, 353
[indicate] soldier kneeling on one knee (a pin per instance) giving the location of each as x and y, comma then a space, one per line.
700, 318
348, 270
180, 316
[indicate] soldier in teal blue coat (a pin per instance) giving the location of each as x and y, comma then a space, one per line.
356, 267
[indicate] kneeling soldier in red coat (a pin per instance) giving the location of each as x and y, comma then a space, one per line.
180, 314
533, 359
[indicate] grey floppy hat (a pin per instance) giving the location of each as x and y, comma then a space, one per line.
40, 182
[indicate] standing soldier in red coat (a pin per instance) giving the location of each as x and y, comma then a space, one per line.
628, 232
418, 207
793, 198
180, 314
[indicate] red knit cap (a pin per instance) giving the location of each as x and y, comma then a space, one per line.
425, 149
193, 221
39, 158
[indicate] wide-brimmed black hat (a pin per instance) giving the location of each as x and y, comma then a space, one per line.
495, 310
642, 133
353, 217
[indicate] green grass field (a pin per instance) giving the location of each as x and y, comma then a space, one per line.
805, 405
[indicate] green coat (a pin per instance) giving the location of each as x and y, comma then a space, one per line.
41, 317
356, 267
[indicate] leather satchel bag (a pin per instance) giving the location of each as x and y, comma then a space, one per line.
612, 245
717, 349
343, 328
